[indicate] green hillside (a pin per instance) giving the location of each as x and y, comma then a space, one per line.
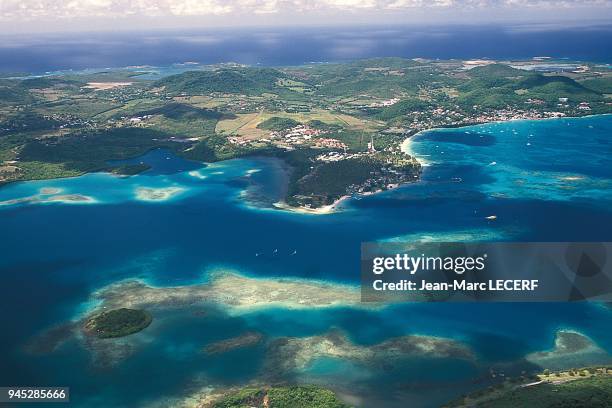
90, 151
276, 123
402, 107
589, 387
593, 392
252, 81
180, 111
305, 396
496, 86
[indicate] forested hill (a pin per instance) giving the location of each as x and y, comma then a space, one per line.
248, 81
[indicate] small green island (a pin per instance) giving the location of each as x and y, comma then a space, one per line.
117, 323
303, 396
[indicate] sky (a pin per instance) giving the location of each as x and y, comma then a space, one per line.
19, 16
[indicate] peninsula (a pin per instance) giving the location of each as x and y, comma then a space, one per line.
339, 127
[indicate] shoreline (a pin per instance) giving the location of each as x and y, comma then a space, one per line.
406, 143
405, 147
326, 209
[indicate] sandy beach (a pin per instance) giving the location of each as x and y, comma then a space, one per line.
327, 209
406, 147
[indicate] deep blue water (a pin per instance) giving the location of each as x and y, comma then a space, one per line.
292, 46
550, 181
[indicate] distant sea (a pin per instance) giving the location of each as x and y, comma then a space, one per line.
292, 46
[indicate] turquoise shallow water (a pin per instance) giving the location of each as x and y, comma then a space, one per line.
528, 159
544, 180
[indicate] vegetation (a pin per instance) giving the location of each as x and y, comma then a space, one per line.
324, 126
276, 124
216, 148
303, 396
61, 126
27, 122
589, 387
253, 81
496, 86
603, 84
327, 182
129, 169
49, 82
593, 392
118, 323
401, 108
181, 111
90, 151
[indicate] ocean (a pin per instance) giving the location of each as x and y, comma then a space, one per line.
40, 53
545, 180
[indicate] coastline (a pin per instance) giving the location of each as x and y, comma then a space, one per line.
102, 170
406, 147
406, 144
326, 209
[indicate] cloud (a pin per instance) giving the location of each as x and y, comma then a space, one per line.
28, 10
198, 7
399, 4
348, 4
